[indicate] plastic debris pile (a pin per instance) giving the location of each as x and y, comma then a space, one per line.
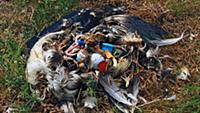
107, 49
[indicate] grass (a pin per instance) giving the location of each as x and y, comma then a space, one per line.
91, 88
183, 7
21, 19
11, 63
14, 78
30, 100
190, 104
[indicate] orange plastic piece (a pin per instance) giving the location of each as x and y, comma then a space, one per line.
108, 54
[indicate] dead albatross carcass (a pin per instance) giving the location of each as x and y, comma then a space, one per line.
85, 42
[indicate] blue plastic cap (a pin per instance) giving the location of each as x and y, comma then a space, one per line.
107, 46
81, 42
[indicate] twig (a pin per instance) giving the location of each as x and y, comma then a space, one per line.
150, 102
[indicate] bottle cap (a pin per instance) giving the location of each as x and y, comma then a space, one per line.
81, 42
96, 59
103, 66
107, 46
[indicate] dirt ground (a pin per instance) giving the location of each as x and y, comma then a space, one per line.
175, 16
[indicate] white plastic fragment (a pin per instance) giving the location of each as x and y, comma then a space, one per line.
96, 59
90, 102
184, 74
171, 98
